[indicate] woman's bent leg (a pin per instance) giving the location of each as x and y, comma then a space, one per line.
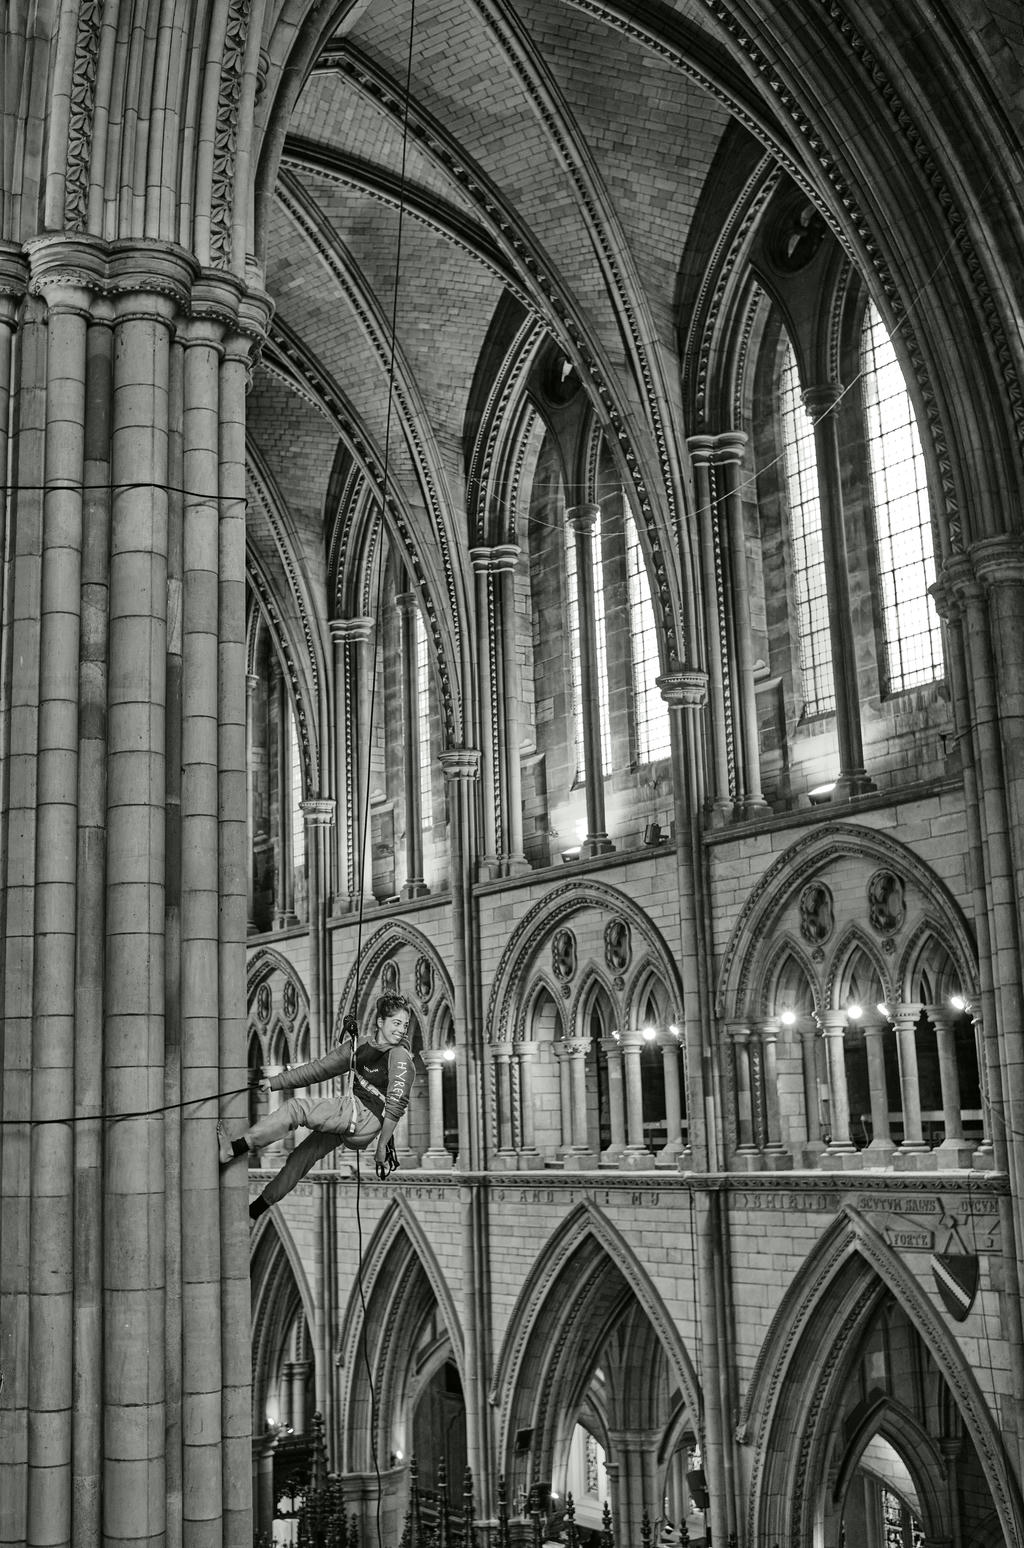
305, 1156
274, 1126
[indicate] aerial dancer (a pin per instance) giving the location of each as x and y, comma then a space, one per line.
378, 1070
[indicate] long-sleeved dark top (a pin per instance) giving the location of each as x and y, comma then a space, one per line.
383, 1076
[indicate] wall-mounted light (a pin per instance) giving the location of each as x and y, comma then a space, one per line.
449, 1054
854, 1012
958, 1003
649, 1034
882, 1009
788, 1018
675, 1030
821, 793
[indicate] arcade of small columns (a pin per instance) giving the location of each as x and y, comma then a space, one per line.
760, 1144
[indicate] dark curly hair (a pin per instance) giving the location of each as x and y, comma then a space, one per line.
388, 1004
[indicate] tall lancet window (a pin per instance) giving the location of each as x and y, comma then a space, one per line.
651, 712
906, 562
808, 568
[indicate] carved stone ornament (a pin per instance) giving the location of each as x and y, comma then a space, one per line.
290, 1000
389, 978
618, 947
887, 908
817, 916
563, 954
424, 979
264, 1003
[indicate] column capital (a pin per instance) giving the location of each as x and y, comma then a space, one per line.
582, 518
505, 557
318, 812
999, 561
436, 1057
502, 1050
354, 630
684, 690
906, 1014
480, 558
406, 602
525, 1048
576, 1045
820, 397
700, 448
738, 1031
631, 1037
730, 446
460, 763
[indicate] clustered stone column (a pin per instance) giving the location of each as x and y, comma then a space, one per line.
124, 958
575, 1152
582, 520
499, 688
353, 738
318, 816
414, 885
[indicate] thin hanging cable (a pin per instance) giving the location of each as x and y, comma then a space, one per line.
364, 814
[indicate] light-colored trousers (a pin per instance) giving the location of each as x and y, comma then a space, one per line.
334, 1121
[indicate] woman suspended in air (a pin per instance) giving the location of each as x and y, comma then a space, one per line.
379, 1072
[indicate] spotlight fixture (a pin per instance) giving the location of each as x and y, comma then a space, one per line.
882, 1009
788, 1018
854, 1012
958, 1003
649, 1034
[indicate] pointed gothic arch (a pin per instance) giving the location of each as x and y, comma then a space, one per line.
789, 1410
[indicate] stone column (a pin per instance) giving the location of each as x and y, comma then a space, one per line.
612, 1155
318, 816
819, 402
251, 685
747, 1157
435, 1156
841, 1150
505, 1156
807, 1031
529, 1155
880, 1151
685, 693
489, 694
560, 1049
635, 1156
636, 1480
578, 1154
984, 1157
504, 560
905, 1021
414, 886
954, 1150
263, 1448
720, 717
776, 1155
729, 449
353, 749
582, 519
674, 1145
284, 911
129, 882
297, 1377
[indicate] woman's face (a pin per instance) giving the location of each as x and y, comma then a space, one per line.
392, 1029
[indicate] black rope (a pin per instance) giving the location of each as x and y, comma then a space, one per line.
147, 1112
